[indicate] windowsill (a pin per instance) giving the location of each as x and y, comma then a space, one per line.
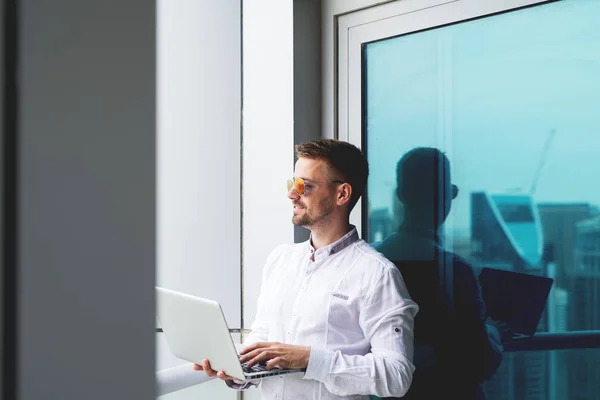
556, 341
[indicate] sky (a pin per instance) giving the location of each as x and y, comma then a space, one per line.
489, 92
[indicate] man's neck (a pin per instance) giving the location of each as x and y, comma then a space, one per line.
424, 230
424, 223
324, 236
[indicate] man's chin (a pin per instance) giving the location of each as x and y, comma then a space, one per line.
299, 221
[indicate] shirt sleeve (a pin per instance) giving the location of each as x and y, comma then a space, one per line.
386, 319
242, 385
495, 338
479, 344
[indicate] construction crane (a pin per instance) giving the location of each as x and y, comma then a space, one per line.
543, 157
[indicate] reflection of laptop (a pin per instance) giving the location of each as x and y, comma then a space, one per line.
515, 298
196, 329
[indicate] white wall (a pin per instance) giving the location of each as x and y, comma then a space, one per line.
198, 166
268, 89
200, 158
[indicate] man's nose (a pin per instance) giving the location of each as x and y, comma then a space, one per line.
292, 194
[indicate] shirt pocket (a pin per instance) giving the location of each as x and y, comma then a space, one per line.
343, 318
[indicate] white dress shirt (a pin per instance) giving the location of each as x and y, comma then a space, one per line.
351, 306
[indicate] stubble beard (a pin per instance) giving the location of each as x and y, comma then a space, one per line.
307, 220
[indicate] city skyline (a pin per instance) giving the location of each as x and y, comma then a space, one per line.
489, 97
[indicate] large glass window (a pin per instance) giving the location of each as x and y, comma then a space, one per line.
545, 375
513, 100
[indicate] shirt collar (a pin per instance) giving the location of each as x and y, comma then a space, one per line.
335, 247
426, 234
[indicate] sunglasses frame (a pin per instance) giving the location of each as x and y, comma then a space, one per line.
291, 183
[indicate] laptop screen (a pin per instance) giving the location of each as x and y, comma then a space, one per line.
515, 298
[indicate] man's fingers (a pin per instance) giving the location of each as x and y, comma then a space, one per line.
262, 357
254, 346
224, 376
207, 368
201, 366
210, 372
250, 355
250, 348
254, 353
274, 362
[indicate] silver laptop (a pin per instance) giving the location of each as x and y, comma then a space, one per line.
196, 329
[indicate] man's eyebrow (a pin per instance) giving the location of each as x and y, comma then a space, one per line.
307, 179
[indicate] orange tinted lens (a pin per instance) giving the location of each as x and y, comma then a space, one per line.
300, 186
290, 184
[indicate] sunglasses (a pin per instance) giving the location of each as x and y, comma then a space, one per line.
300, 186
454, 191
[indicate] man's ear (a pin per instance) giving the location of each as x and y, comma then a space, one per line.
344, 194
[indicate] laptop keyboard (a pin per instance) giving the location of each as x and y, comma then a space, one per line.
255, 368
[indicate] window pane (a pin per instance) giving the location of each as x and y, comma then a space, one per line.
552, 375
513, 101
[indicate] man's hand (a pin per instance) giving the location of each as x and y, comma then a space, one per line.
205, 366
502, 328
276, 354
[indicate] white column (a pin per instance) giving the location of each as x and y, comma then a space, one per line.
86, 235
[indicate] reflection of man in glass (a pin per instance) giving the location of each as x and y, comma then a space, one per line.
454, 348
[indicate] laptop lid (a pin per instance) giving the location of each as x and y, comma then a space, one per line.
195, 328
515, 298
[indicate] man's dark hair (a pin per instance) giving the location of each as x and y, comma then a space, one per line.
344, 158
422, 176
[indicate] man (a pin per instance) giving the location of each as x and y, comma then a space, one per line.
448, 330
331, 305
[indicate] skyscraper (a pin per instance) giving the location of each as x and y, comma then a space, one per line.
584, 309
506, 231
559, 225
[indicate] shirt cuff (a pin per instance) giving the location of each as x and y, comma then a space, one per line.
495, 338
242, 385
319, 364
